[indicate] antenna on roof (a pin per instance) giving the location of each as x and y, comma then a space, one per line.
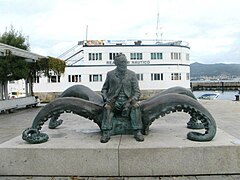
158, 28
86, 32
157, 22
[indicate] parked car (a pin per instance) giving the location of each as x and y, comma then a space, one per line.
209, 96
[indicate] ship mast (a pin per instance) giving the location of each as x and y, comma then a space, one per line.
158, 28
86, 33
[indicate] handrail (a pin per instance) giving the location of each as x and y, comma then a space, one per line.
66, 52
73, 55
76, 61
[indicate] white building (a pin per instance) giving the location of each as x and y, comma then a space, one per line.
158, 65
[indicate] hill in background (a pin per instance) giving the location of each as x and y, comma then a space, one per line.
215, 71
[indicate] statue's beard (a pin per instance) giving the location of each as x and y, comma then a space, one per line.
122, 70
121, 73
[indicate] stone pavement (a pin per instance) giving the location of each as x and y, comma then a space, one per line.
225, 112
213, 177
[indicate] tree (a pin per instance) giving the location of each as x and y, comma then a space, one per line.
15, 38
15, 68
11, 67
45, 66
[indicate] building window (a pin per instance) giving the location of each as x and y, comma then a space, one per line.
176, 76
136, 56
74, 78
187, 57
95, 78
187, 76
112, 55
140, 77
54, 79
156, 55
157, 76
95, 56
175, 55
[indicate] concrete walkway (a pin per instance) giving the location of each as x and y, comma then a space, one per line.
225, 112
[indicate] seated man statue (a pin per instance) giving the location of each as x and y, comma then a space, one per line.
121, 92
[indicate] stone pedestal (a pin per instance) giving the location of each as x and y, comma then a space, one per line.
74, 149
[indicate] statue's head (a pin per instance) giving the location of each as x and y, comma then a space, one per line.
121, 62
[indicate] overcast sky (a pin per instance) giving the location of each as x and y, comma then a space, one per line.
211, 27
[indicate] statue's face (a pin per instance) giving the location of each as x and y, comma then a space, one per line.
121, 64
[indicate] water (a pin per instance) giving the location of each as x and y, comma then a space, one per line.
226, 95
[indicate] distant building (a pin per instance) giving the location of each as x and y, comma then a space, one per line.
158, 65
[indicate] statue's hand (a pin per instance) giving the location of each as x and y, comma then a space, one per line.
133, 102
108, 101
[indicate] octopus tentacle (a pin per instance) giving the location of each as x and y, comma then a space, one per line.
78, 106
78, 91
34, 136
177, 90
192, 123
172, 102
83, 92
55, 122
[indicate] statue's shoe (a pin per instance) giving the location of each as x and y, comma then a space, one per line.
105, 138
138, 136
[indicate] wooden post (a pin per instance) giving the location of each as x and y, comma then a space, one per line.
30, 86
1, 91
222, 86
26, 87
5, 90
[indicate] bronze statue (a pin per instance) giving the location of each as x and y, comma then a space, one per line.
118, 111
120, 94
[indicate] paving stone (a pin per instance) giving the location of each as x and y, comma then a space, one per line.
225, 112
215, 177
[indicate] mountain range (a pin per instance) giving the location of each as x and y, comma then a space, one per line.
198, 70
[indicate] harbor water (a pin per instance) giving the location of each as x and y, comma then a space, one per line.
224, 95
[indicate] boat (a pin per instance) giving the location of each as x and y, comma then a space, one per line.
209, 96
159, 65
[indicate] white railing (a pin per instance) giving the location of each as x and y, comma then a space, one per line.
11, 104
136, 42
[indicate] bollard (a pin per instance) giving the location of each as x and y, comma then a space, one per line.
237, 97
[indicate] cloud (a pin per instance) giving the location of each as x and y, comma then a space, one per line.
210, 27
